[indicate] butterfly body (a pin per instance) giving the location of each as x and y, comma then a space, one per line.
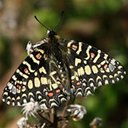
56, 70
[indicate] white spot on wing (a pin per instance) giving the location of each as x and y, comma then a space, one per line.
97, 57
12, 88
87, 70
111, 67
79, 48
87, 52
77, 61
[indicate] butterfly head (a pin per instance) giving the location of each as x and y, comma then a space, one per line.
51, 33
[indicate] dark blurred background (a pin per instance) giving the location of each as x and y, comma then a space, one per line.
101, 23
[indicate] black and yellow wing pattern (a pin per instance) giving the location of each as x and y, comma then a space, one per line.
56, 70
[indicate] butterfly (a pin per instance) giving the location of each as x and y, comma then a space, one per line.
57, 70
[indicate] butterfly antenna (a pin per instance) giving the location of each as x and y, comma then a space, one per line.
41, 23
60, 19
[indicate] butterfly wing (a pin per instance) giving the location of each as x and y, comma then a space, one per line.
50, 78
35, 80
91, 68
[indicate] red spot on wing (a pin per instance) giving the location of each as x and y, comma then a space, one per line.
78, 83
26, 70
105, 66
18, 86
38, 56
50, 94
92, 54
58, 91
